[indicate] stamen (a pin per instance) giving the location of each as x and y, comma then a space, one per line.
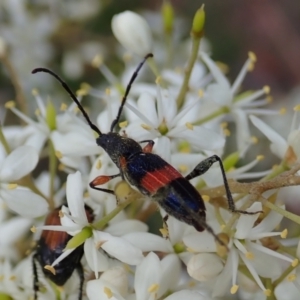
61, 167
12, 186
50, 268
234, 289
158, 80
254, 140
153, 288
97, 61
63, 107
252, 56
226, 132
295, 262
205, 198
37, 112
10, 104
292, 277
268, 292
183, 168
107, 291
98, 164
282, 111
266, 89
81, 92
35, 92
284, 233
123, 124
145, 126
164, 232
200, 93
58, 154
189, 125
260, 157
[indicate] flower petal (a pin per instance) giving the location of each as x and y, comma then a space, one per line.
74, 197
24, 202
246, 222
18, 163
119, 248
148, 273
147, 241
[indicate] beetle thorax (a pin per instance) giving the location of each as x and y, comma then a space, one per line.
118, 146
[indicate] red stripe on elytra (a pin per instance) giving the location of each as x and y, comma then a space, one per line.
153, 181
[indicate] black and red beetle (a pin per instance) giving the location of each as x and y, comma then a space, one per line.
149, 173
50, 246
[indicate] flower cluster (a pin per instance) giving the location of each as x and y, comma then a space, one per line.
101, 226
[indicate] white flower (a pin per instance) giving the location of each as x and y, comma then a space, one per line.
112, 284
279, 145
160, 119
75, 219
225, 96
72, 137
16, 165
133, 32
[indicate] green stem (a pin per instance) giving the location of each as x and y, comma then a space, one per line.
52, 172
290, 251
283, 212
169, 48
277, 171
270, 286
219, 216
234, 218
153, 66
29, 183
221, 111
4, 141
20, 97
102, 223
284, 275
185, 85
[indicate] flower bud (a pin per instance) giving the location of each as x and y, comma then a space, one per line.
204, 266
167, 16
198, 22
133, 32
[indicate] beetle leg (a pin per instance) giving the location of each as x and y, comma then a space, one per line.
81, 278
148, 148
35, 276
101, 180
203, 167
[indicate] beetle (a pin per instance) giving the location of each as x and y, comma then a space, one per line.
50, 246
149, 173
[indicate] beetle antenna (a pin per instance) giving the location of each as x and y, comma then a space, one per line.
133, 77
72, 95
